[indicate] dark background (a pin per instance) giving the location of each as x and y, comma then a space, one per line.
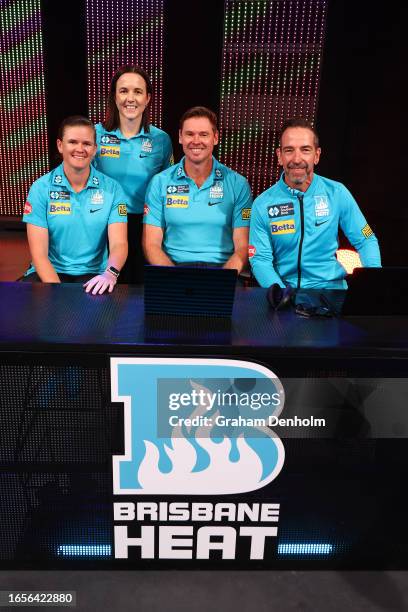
361, 110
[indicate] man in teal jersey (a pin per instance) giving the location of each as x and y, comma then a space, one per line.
198, 211
294, 225
73, 213
132, 151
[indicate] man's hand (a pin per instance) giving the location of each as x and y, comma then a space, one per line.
101, 283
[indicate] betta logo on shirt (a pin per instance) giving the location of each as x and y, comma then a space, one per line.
110, 152
60, 208
283, 227
177, 201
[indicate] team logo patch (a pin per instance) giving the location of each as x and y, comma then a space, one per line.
97, 197
246, 214
147, 145
110, 152
146, 210
367, 231
28, 208
179, 171
178, 189
59, 208
217, 190
122, 210
58, 179
283, 227
95, 180
61, 196
218, 174
177, 201
281, 210
110, 139
321, 206
251, 250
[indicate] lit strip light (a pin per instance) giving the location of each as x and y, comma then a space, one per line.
307, 548
84, 550
23, 125
271, 61
124, 32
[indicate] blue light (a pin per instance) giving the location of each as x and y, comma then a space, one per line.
84, 550
305, 548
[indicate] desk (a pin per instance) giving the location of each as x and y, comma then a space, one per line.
339, 492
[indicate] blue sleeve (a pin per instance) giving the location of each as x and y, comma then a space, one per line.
120, 203
35, 209
243, 204
260, 249
154, 210
168, 159
355, 227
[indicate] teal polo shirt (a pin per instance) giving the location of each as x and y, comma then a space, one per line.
133, 161
198, 222
77, 223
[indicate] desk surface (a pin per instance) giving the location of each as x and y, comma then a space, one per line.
64, 317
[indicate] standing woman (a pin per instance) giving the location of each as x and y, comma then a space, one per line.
132, 151
73, 214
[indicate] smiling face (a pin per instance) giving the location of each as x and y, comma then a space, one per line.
198, 139
77, 147
131, 97
298, 155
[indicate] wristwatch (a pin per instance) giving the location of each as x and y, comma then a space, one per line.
113, 271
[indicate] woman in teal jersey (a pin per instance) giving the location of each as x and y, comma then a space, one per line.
73, 214
132, 151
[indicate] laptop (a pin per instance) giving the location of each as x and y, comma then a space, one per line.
193, 291
372, 292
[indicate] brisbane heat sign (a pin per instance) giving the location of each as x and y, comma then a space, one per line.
197, 441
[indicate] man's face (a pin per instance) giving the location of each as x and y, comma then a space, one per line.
298, 155
198, 139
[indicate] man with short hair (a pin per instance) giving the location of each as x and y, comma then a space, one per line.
294, 226
197, 211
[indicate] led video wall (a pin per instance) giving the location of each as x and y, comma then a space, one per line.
123, 32
271, 62
23, 121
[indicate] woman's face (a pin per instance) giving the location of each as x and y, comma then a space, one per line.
131, 97
77, 147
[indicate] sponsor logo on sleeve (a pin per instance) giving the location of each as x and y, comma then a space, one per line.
367, 231
177, 201
321, 206
28, 208
122, 210
172, 160
146, 210
251, 250
281, 210
283, 227
246, 214
109, 151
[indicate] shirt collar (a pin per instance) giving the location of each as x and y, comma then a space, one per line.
297, 192
141, 134
59, 178
216, 174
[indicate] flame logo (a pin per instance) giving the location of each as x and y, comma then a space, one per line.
191, 460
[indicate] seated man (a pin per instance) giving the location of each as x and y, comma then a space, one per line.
197, 211
294, 225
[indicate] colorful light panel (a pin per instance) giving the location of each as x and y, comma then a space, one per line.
23, 124
124, 32
271, 61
